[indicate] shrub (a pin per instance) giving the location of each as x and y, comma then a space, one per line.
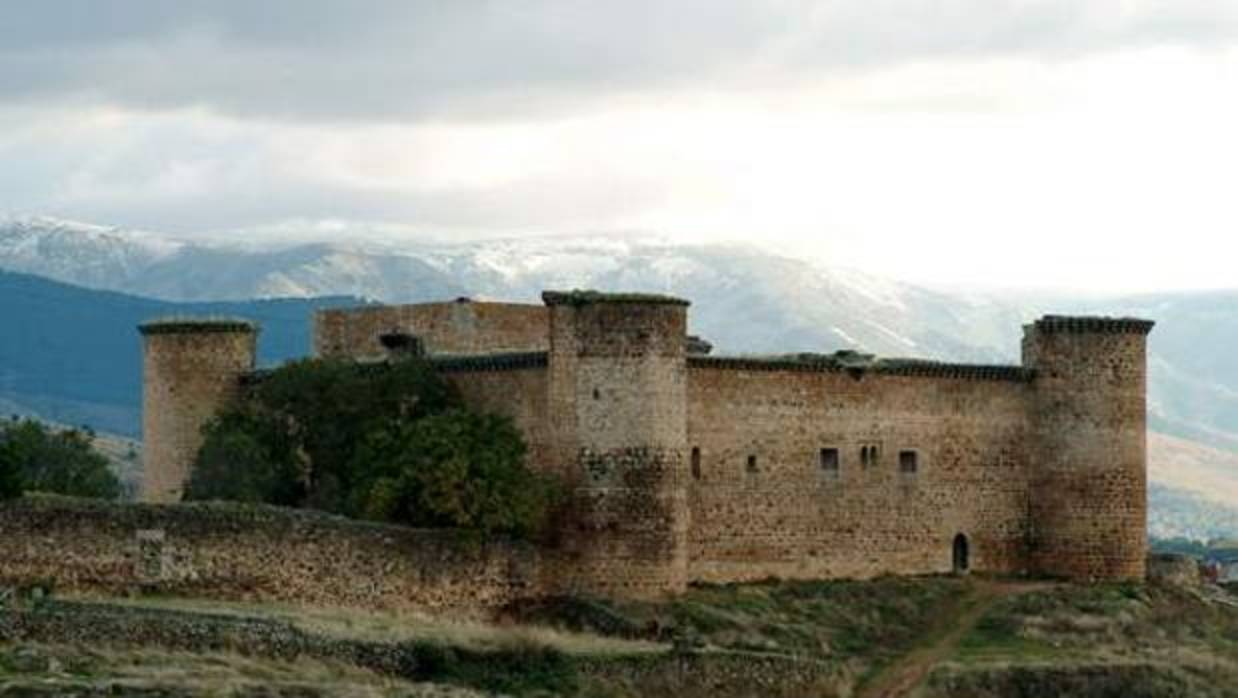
34, 457
246, 457
456, 469
391, 442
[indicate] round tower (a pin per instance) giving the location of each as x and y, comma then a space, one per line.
618, 414
1089, 460
190, 369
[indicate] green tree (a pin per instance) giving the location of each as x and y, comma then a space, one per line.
247, 457
329, 405
33, 457
391, 442
456, 469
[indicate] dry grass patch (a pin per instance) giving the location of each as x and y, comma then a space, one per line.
469, 634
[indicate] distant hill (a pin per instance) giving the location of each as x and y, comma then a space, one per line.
73, 355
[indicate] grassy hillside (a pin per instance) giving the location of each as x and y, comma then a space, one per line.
928, 637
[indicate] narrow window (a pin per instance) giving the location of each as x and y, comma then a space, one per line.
829, 461
752, 464
696, 463
864, 456
908, 462
597, 394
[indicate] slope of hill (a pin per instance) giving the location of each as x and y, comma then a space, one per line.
73, 355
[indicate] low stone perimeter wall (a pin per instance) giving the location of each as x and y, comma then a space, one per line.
254, 553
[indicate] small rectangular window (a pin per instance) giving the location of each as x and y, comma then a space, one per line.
696, 463
908, 462
752, 464
829, 461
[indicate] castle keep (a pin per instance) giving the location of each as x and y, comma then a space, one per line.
689, 467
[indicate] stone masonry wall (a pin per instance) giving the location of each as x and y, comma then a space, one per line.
254, 553
459, 327
1090, 513
617, 381
190, 371
514, 387
786, 515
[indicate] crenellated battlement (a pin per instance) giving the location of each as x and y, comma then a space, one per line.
1092, 324
915, 368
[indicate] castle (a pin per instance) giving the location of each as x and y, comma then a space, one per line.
689, 467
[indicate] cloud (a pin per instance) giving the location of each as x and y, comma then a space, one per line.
974, 141
402, 60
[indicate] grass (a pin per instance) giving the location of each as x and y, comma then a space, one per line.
845, 631
1126, 636
470, 635
832, 620
53, 670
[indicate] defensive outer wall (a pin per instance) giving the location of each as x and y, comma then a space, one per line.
683, 466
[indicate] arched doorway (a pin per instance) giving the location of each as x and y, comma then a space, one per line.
962, 554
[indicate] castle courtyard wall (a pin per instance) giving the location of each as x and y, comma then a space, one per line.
458, 327
790, 518
255, 553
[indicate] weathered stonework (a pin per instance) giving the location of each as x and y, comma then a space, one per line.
191, 368
1089, 415
255, 553
685, 467
462, 326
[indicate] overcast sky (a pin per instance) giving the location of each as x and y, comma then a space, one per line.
1072, 143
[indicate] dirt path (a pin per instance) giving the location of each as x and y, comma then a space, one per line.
906, 673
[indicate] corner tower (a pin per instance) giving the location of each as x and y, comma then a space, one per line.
190, 369
618, 392
1089, 464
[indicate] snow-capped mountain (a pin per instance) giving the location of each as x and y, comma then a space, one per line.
747, 299
91, 255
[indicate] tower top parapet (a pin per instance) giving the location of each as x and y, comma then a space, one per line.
1062, 324
589, 297
197, 325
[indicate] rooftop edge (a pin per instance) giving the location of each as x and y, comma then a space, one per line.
882, 367
1092, 323
197, 325
579, 297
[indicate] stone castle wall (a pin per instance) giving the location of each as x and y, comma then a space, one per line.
617, 399
794, 512
254, 553
459, 327
693, 468
1089, 520
190, 369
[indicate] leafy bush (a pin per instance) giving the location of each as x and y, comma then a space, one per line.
455, 469
389, 442
34, 457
